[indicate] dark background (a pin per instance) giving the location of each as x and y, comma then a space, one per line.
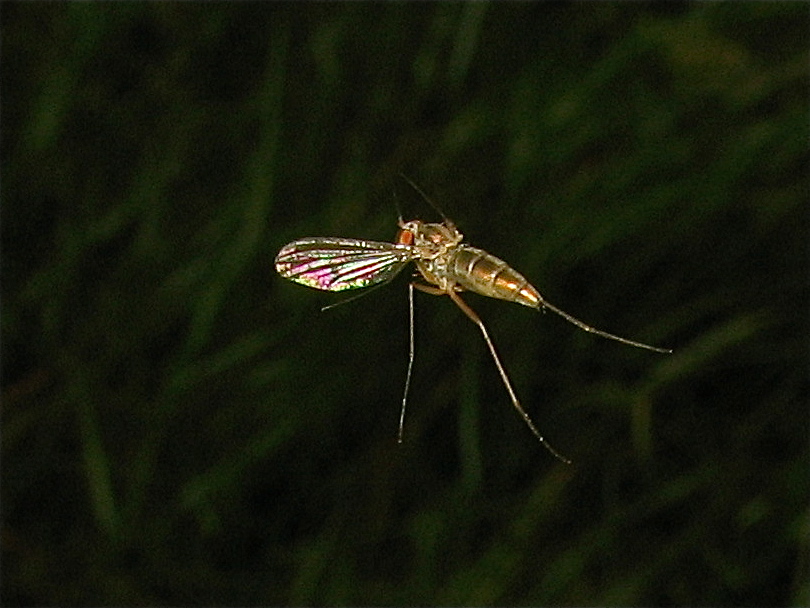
181, 426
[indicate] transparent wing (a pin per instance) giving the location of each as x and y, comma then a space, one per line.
336, 264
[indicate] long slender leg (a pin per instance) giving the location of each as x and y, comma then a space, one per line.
365, 292
599, 332
477, 320
433, 291
410, 363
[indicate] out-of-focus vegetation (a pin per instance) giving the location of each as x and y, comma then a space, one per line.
181, 426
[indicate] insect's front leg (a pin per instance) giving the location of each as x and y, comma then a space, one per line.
432, 290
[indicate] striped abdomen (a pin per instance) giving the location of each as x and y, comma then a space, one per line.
481, 272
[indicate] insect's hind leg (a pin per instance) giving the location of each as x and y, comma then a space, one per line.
477, 320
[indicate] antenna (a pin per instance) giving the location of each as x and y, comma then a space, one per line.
425, 196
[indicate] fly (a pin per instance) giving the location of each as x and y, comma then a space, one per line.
447, 266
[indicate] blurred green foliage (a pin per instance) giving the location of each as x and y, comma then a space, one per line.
180, 426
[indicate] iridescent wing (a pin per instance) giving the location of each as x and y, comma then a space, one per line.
336, 264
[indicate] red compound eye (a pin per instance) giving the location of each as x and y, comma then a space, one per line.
405, 237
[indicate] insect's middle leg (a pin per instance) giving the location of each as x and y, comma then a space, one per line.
432, 289
453, 293
477, 320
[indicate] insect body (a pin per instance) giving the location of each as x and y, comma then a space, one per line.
448, 267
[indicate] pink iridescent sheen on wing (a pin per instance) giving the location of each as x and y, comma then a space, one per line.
337, 264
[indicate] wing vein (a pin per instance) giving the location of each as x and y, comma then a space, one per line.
336, 264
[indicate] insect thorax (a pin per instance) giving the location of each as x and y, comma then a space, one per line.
434, 245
